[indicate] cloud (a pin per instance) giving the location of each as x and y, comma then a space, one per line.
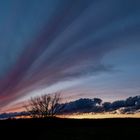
125, 106
69, 44
33, 69
84, 105
130, 105
13, 115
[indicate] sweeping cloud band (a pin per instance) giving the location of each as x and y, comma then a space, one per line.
44, 43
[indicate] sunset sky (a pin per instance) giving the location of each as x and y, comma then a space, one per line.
84, 48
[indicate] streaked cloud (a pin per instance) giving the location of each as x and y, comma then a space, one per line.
44, 43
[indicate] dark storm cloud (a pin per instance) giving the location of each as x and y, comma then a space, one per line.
131, 104
96, 105
70, 43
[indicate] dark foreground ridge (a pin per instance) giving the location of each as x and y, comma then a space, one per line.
70, 129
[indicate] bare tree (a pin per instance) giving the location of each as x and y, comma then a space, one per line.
45, 106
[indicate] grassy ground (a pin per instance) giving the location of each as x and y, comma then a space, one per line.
70, 129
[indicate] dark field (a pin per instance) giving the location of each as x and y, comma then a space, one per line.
70, 129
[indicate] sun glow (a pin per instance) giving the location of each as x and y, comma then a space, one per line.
99, 116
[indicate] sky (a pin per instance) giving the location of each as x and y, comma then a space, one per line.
83, 48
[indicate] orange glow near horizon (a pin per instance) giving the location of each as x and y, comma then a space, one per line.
100, 116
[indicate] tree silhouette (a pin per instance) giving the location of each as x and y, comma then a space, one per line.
45, 106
